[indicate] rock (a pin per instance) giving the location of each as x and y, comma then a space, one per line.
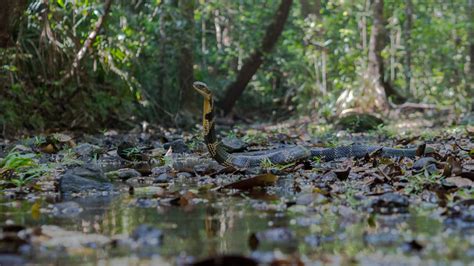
66, 209
317, 240
86, 178
123, 174
428, 163
178, 146
389, 238
390, 203
310, 198
147, 191
86, 150
59, 238
184, 175
160, 170
12, 260
163, 178
461, 215
468, 118
12, 241
272, 236
234, 144
146, 235
460, 182
329, 177
359, 122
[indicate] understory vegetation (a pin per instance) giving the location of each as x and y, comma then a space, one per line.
145, 55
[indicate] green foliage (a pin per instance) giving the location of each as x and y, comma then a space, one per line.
25, 168
418, 182
17, 161
267, 164
132, 69
255, 137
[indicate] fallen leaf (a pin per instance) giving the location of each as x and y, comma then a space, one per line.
342, 174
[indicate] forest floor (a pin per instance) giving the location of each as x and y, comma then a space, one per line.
153, 196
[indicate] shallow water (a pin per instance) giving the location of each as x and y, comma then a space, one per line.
220, 224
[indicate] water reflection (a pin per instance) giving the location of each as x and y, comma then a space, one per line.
223, 224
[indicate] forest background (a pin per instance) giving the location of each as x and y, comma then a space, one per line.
88, 64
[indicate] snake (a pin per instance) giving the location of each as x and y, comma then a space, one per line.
285, 155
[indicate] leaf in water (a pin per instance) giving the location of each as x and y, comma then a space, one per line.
256, 181
35, 210
184, 199
48, 148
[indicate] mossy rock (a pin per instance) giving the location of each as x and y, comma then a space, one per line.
359, 122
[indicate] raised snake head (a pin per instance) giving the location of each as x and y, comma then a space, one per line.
202, 88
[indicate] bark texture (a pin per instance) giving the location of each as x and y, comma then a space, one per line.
377, 43
407, 39
186, 57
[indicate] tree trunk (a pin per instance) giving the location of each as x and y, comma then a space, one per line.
407, 40
10, 12
376, 45
255, 60
186, 57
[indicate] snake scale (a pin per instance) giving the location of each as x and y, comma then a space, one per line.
280, 155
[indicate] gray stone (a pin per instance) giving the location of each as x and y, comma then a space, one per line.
163, 178
66, 209
84, 179
86, 150
178, 146
127, 173
234, 144
146, 235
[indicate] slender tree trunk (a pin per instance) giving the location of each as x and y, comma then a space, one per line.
376, 45
10, 11
87, 43
407, 40
251, 64
186, 57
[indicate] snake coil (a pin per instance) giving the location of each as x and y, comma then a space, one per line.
280, 155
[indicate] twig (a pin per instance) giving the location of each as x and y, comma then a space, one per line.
87, 44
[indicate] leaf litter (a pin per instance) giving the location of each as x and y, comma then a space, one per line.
335, 207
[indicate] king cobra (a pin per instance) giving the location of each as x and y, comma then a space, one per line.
284, 155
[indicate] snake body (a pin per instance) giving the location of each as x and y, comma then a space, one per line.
284, 155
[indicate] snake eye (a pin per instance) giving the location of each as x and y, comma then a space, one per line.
202, 88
